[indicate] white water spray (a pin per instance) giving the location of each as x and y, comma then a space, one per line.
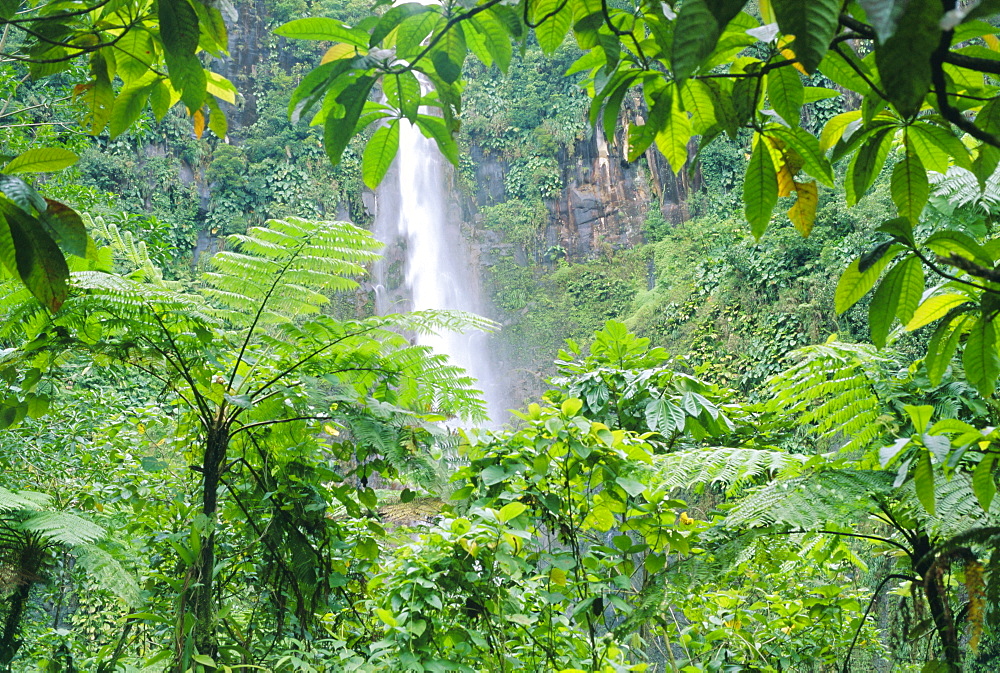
413, 204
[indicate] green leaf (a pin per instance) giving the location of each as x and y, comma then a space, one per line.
631, 486
434, 127
834, 129
338, 131
552, 31
134, 54
813, 23
449, 54
128, 108
786, 93
923, 481
860, 276
66, 228
760, 188
41, 160
946, 142
510, 511
866, 164
571, 406
947, 242
695, 35
942, 345
983, 484
673, 137
927, 148
36, 257
696, 98
898, 294
981, 360
920, 416
933, 308
98, 97
904, 60
806, 145
320, 28
901, 229
395, 16
379, 153
412, 32
909, 186
492, 35
180, 33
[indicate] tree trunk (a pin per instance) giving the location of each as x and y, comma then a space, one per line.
10, 642
203, 571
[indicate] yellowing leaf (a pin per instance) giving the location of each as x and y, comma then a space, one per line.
199, 123
557, 576
339, 51
786, 183
803, 211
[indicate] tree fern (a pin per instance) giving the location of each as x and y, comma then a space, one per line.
281, 270
728, 467
812, 501
832, 392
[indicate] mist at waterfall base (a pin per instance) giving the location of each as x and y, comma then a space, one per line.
413, 204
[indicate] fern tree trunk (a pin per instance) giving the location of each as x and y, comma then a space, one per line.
205, 632
10, 642
932, 570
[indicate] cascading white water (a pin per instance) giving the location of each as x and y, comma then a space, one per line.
413, 204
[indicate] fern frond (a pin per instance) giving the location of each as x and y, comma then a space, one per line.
283, 269
812, 501
64, 528
109, 574
832, 390
22, 500
728, 467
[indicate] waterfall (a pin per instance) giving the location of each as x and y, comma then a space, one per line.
414, 212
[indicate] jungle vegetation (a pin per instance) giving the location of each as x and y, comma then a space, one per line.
236, 467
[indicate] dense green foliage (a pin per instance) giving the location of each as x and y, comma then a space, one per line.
239, 469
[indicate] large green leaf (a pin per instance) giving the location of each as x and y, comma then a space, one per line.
379, 153
981, 360
434, 127
866, 164
695, 35
909, 186
338, 131
321, 28
923, 481
552, 30
36, 257
673, 138
134, 54
904, 59
942, 345
697, 98
128, 108
179, 31
41, 160
786, 93
65, 226
807, 146
760, 188
449, 54
812, 22
898, 294
934, 308
983, 484
488, 31
860, 276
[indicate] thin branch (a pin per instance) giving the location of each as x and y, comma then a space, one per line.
437, 38
861, 73
871, 604
260, 424
56, 17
